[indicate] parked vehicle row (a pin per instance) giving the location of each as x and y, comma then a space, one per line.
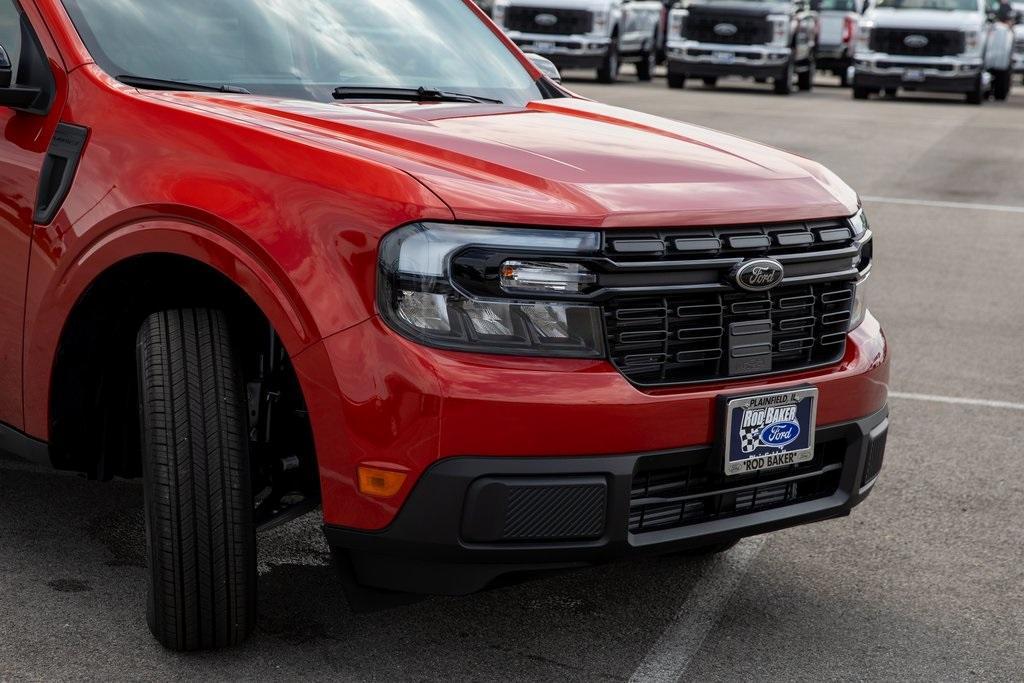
877, 46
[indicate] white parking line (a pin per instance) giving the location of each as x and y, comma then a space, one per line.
1004, 208
670, 657
953, 400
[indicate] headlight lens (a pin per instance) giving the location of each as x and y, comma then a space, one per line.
863, 262
487, 289
860, 303
601, 18
864, 37
780, 33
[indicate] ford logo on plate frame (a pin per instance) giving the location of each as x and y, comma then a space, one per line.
915, 40
758, 275
725, 29
545, 19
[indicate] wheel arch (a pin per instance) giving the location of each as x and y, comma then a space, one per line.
91, 312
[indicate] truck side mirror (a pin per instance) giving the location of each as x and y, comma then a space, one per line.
12, 95
545, 66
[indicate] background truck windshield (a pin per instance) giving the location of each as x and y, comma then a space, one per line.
942, 5
303, 48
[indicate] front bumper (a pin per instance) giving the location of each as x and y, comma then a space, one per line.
470, 521
935, 74
566, 52
1018, 62
690, 58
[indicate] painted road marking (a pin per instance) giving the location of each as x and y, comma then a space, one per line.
670, 656
953, 400
1004, 208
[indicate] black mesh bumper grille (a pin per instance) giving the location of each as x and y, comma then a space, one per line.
667, 495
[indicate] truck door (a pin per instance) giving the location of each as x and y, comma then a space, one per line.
28, 127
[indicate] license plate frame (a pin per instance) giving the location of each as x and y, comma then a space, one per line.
723, 57
748, 447
913, 76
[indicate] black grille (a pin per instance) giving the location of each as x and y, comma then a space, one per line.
676, 338
894, 41
667, 494
567, 21
750, 30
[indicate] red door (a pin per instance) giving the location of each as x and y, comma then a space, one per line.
23, 146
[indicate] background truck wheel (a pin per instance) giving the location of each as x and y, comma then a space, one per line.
200, 535
608, 72
844, 81
648, 63
676, 81
805, 81
977, 96
1002, 83
784, 82
861, 93
891, 92
710, 81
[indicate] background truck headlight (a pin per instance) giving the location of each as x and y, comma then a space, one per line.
491, 290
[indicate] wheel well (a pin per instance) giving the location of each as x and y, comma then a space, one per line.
94, 425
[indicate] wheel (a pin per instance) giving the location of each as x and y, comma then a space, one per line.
760, 79
860, 93
805, 81
609, 70
676, 81
844, 79
710, 81
1002, 83
647, 64
784, 82
200, 534
891, 92
977, 96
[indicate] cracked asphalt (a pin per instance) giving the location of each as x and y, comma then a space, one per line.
925, 581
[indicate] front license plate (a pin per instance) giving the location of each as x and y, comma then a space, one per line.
542, 48
770, 430
913, 76
724, 57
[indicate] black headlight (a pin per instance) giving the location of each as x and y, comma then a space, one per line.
491, 290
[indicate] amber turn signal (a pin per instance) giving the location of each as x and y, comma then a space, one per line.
380, 483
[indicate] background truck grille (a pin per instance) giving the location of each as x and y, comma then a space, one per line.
940, 43
569, 21
676, 338
750, 30
678, 491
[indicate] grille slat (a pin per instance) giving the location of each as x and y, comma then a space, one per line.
698, 337
567, 21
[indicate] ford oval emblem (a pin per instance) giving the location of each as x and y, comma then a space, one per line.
758, 275
545, 19
725, 30
915, 40
781, 433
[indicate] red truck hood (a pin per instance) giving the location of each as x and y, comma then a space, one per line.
561, 162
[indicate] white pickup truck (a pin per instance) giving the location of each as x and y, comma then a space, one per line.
933, 46
586, 34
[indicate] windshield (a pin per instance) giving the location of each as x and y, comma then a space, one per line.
943, 5
303, 48
838, 6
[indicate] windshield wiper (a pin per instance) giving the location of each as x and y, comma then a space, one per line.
421, 94
178, 86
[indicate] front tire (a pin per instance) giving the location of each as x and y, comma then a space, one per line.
977, 96
608, 72
805, 81
1002, 83
676, 81
710, 81
784, 81
200, 534
648, 63
860, 93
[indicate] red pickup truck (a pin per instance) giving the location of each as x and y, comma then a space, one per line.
274, 255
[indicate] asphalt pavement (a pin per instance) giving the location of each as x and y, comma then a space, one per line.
925, 581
